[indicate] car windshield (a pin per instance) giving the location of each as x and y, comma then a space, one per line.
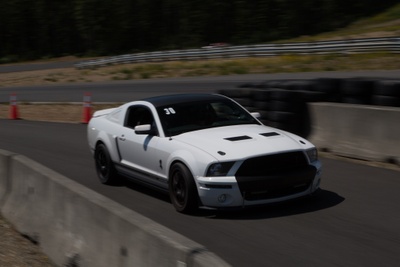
192, 116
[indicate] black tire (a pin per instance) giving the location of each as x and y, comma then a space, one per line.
235, 93
282, 116
290, 127
104, 166
328, 85
182, 189
313, 96
300, 85
330, 88
358, 86
248, 85
276, 84
261, 105
288, 106
285, 95
261, 95
355, 100
244, 101
388, 88
388, 101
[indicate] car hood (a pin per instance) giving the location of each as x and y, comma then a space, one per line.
242, 141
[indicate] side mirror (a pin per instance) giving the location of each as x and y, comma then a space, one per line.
145, 129
256, 115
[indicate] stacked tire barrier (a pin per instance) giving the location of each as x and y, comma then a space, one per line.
387, 93
283, 109
357, 91
283, 103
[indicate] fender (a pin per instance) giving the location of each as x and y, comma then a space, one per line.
195, 163
110, 142
109, 139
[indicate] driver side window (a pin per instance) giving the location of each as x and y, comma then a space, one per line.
138, 115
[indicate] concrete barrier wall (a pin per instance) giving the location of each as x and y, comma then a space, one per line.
78, 227
358, 131
4, 172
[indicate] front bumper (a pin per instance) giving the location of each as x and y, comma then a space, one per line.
231, 191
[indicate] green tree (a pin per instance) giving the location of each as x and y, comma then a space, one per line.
33, 29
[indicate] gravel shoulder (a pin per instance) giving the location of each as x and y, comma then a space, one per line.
71, 113
17, 251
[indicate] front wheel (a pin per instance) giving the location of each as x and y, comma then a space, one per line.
104, 165
182, 189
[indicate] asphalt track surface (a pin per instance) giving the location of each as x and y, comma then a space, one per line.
124, 91
353, 222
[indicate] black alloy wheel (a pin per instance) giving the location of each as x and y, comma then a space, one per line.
104, 165
182, 189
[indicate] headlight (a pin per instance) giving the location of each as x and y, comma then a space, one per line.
312, 154
219, 169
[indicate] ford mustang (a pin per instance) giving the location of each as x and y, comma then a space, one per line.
204, 150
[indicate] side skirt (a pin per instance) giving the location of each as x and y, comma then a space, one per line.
142, 178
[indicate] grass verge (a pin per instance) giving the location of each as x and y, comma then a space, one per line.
288, 63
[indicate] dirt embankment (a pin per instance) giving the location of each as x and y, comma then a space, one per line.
73, 113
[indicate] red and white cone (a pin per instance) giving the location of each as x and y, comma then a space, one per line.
14, 115
87, 108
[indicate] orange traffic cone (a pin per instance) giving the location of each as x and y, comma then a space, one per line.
13, 107
87, 109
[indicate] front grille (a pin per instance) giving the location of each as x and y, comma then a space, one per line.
272, 163
275, 176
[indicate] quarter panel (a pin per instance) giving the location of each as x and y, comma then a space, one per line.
103, 130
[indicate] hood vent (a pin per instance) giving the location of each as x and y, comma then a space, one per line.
270, 134
238, 138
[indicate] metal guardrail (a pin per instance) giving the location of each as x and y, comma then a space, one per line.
388, 44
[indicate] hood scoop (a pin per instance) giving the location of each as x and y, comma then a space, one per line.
238, 138
270, 134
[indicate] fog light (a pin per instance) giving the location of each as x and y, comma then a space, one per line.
222, 198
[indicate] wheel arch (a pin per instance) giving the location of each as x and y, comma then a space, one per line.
179, 161
195, 163
110, 143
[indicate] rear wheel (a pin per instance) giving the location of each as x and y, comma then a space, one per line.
182, 189
104, 165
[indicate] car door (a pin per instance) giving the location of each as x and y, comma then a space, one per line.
139, 151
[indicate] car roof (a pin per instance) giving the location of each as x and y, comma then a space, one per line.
159, 101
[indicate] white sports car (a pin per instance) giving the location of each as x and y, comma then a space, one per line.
204, 149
